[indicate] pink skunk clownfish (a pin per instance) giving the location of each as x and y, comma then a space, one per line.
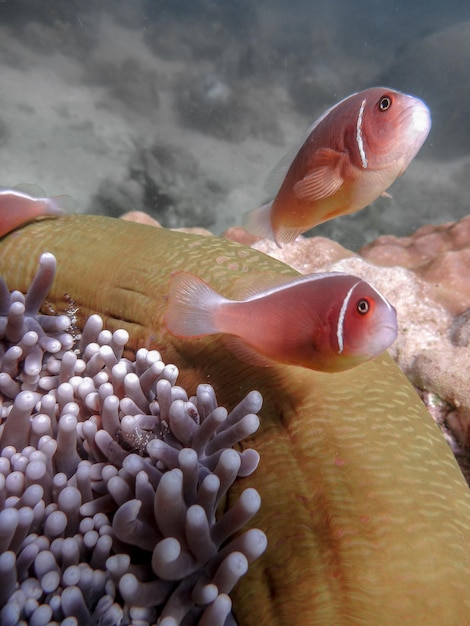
18, 208
326, 322
351, 155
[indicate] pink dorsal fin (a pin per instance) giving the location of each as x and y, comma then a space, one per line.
255, 283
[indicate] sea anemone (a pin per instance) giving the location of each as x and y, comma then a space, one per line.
112, 479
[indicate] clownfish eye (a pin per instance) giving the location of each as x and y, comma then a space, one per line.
363, 306
385, 103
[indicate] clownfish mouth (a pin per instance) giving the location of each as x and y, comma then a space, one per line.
421, 118
416, 129
385, 335
380, 336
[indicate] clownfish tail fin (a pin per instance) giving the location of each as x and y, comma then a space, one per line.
191, 306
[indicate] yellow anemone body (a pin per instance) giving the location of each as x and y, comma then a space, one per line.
366, 511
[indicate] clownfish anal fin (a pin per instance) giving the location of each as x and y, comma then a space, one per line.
323, 178
244, 353
258, 221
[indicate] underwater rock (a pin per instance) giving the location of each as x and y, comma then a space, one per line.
440, 255
139, 217
208, 103
47, 29
206, 31
435, 68
167, 183
305, 254
225, 106
5, 132
131, 86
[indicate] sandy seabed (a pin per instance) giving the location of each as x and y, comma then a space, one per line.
184, 114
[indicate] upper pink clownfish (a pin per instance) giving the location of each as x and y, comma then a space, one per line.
326, 322
18, 208
351, 155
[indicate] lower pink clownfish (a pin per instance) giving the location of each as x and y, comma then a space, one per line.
18, 208
351, 155
326, 322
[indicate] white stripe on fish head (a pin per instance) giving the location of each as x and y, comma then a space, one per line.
359, 139
342, 314
343, 311
383, 298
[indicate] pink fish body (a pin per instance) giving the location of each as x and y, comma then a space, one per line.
352, 154
327, 322
18, 208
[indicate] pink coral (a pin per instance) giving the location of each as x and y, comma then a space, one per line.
440, 255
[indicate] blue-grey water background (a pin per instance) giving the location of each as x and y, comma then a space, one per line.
182, 108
